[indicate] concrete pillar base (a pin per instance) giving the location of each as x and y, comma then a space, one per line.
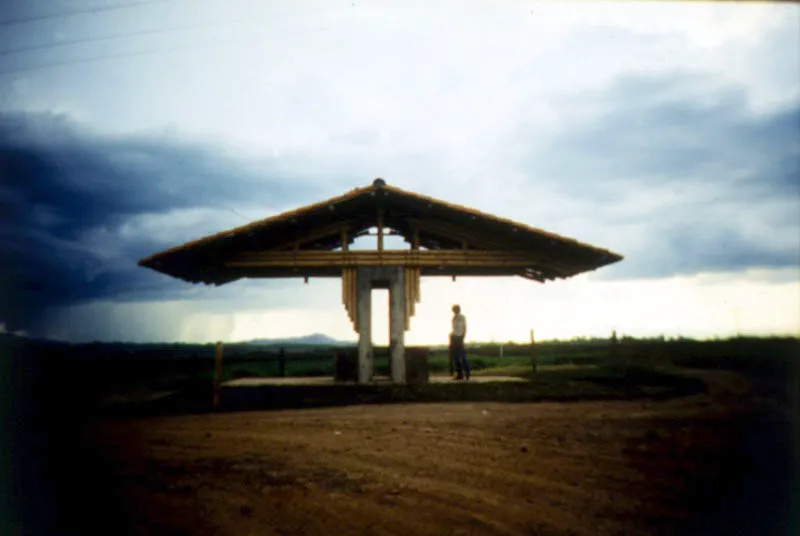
417, 371
346, 365
393, 279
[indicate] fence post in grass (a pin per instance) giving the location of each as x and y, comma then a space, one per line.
217, 373
533, 353
613, 350
282, 363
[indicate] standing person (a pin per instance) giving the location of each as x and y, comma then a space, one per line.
457, 349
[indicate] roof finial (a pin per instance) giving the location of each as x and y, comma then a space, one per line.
379, 183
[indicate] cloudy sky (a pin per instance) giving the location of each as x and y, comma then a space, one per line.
667, 132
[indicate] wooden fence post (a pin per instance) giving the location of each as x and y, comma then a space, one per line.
612, 348
615, 356
282, 363
217, 374
533, 353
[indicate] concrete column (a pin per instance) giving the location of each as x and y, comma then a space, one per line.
364, 298
397, 325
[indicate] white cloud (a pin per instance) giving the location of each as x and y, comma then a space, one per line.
438, 98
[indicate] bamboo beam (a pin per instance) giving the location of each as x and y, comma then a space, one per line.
345, 241
410, 258
335, 271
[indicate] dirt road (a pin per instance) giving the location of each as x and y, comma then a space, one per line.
706, 464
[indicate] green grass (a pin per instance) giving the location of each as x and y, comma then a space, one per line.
519, 364
112, 369
555, 384
509, 365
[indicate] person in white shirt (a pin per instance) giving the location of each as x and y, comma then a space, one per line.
457, 349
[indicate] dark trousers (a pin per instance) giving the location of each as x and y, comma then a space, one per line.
458, 354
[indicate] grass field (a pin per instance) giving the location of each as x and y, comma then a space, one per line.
88, 375
672, 437
111, 369
656, 437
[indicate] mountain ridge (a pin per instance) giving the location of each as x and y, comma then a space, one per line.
314, 339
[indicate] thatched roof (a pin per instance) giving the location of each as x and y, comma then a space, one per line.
435, 225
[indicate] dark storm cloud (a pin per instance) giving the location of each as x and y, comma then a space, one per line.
721, 180
65, 196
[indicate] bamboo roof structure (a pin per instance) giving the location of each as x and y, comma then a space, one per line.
445, 239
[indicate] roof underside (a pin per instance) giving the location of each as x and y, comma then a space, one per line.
433, 225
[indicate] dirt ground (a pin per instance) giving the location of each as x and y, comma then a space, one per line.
717, 463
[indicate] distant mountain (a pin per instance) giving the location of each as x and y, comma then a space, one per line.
315, 339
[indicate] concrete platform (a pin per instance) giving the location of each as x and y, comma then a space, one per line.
380, 380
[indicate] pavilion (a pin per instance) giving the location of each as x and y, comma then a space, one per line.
444, 240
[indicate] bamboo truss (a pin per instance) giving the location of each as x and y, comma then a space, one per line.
412, 293
350, 294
